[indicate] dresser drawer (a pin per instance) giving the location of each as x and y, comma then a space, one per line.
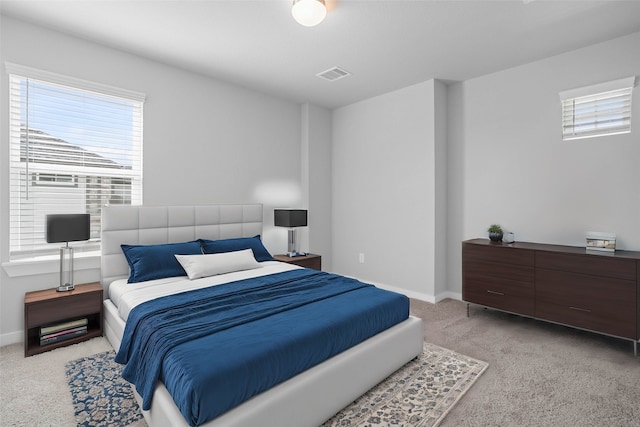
503, 286
600, 304
595, 264
507, 301
497, 253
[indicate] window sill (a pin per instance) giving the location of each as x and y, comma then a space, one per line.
50, 264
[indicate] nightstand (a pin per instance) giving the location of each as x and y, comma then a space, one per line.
307, 261
61, 313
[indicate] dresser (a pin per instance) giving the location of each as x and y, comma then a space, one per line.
591, 290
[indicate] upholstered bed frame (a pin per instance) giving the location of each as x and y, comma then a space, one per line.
305, 400
151, 225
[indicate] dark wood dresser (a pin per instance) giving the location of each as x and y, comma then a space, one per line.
591, 290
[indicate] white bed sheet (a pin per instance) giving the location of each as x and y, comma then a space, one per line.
125, 296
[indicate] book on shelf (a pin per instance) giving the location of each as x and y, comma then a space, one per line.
63, 335
45, 330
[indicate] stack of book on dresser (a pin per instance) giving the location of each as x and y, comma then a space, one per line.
63, 331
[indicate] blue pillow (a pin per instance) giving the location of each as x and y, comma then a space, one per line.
260, 253
148, 262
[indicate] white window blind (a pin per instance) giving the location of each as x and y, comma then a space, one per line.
597, 110
75, 146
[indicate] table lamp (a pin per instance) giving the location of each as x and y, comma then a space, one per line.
291, 218
67, 228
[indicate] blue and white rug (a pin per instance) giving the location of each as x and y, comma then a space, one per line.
101, 397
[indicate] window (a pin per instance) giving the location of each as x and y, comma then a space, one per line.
74, 147
598, 110
54, 179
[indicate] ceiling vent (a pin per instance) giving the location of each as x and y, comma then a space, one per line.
333, 74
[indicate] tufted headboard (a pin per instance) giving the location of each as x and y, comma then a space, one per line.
149, 225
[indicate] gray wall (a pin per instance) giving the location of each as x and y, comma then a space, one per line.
502, 161
509, 165
205, 141
384, 189
316, 178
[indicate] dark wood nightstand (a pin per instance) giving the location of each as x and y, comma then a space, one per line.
307, 261
52, 309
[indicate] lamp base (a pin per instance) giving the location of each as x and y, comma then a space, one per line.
66, 287
294, 254
66, 269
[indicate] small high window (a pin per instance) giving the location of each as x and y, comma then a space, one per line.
597, 110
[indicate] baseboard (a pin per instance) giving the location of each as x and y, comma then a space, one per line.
416, 295
11, 338
448, 294
411, 294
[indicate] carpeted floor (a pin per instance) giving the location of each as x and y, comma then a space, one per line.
540, 374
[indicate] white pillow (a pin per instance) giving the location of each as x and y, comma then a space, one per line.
198, 266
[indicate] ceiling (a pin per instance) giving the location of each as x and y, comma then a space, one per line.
386, 45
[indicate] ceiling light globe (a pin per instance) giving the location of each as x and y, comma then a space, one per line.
308, 12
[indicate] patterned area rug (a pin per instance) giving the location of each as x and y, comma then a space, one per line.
420, 394
101, 397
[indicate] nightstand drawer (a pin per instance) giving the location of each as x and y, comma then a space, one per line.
307, 261
51, 311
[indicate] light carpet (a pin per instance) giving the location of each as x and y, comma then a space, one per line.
419, 394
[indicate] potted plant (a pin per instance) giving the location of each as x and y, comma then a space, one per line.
495, 233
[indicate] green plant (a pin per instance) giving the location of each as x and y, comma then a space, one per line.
494, 228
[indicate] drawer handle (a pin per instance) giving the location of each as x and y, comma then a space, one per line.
580, 309
494, 292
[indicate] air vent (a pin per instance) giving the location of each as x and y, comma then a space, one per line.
333, 74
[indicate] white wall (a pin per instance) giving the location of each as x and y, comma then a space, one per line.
205, 141
503, 161
384, 189
440, 170
515, 169
316, 178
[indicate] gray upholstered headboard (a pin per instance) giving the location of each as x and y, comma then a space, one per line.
149, 225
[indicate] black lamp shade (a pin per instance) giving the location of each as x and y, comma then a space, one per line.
290, 217
68, 228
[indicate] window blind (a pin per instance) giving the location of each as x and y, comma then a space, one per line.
597, 110
73, 149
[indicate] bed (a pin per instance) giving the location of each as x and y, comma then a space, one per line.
309, 397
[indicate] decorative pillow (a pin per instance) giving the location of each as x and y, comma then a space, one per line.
198, 266
231, 245
148, 262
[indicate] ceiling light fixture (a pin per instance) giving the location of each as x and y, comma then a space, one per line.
308, 12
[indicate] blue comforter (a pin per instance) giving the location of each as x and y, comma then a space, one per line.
216, 347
